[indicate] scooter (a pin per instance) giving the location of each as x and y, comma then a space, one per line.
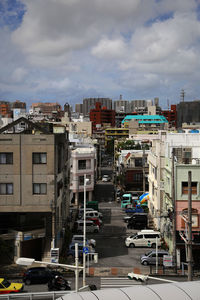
59, 285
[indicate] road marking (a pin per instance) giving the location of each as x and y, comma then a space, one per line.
117, 282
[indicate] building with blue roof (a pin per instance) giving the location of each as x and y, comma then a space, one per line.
145, 122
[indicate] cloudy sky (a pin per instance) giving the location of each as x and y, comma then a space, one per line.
66, 50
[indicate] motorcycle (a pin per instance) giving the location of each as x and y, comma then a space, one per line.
58, 284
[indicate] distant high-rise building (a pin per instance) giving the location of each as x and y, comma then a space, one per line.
18, 104
100, 116
122, 105
188, 112
89, 103
138, 105
79, 108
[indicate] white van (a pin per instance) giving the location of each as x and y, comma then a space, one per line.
144, 238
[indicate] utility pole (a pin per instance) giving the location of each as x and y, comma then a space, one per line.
189, 244
174, 213
99, 160
143, 168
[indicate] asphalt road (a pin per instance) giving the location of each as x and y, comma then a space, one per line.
110, 247
110, 241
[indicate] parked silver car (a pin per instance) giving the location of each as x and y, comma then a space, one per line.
79, 238
90, 226
150, 257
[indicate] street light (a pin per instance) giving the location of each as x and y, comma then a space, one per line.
24, 261
144, 278
84, 229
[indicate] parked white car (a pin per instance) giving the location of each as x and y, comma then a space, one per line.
90, 226
144, 238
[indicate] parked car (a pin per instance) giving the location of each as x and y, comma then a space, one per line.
132, 211
39, 275
143, 238
7, 287
79, 238
90, 226
138, 220
81, 211
96, 220
150, 257
91, 214
106, 178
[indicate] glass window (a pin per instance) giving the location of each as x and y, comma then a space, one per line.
39, 188
140, 236
39, 158
6, 158
6, 188
137, 177
82, 164
138, 162
185, 188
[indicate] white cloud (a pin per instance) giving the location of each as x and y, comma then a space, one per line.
109, 49
165, 47
105, 47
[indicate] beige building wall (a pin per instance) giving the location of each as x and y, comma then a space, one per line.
23, 173
80, 128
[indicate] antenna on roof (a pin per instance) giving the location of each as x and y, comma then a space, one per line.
182, 95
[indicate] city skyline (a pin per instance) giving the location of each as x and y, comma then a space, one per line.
64, 51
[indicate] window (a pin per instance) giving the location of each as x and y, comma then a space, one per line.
39, 158
137, 177
82, 164
138, 162
185, 188
6, 158
6, 188
39, 188
140, 236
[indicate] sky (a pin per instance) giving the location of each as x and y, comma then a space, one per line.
67, 50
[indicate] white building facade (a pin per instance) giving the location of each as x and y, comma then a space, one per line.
83, 162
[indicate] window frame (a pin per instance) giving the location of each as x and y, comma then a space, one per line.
184, 187
39, 154
6, 188
82, 164
7, 154
40, 188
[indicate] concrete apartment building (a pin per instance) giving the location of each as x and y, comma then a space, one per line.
83, 162
186, 149
33, 188
188, 112
121, 105
90, 103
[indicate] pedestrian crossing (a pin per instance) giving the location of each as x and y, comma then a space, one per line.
117, 282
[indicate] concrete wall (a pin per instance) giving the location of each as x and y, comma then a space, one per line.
23, 173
